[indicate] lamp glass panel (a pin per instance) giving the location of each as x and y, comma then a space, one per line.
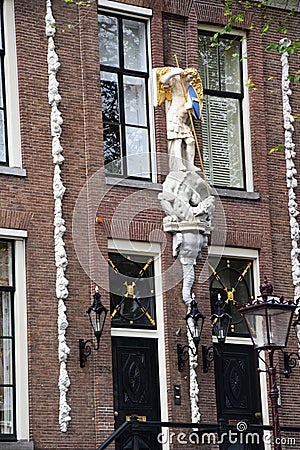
269, 327
221, 326
256, 322
279, 321
98, 320
194, 328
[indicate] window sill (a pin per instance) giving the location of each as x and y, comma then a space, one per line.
15, 171
140, 184
18, 445
238, 195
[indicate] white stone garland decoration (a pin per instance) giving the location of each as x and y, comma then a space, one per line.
291, 171
194, 387
61, 260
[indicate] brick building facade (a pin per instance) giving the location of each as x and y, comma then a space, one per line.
102, 179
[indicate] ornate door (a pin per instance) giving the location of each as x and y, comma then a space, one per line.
136, 387
238, 393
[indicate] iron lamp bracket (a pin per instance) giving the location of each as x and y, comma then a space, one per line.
183, 355
208, 354
85, 349
289, 362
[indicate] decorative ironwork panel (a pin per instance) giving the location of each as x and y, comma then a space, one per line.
134, 378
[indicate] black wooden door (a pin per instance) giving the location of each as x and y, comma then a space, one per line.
136, 387
238, 394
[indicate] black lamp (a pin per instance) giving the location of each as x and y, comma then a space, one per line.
220, 321
194, 322
269, 320
97, 314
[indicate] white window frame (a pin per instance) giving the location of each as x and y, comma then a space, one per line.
20, 317
11, 92
139, 12
248, 254
249, 187
149, 249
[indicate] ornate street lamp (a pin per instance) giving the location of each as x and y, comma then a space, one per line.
194, 322
269, 319
97, 314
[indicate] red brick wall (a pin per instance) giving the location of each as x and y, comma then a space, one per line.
28, 203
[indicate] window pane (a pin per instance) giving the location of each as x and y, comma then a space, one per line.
222, 149
208, 62
6, 361
134, 39
230, 65
1, 22
2, 138
6, 264
1, 86
112, 149
135, 101
229, 280
5, 314
108, 40
6, 411
110, 97
131, 280
138, 158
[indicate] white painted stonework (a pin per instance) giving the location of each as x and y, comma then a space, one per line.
194, 387
291, 171
61, 260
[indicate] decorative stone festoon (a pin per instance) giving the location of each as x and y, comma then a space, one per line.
61, 260
186, 197
291, 172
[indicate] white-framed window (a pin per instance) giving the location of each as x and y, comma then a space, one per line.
136, 264
225, 118
14, 415
10, 142
125, 88
139, 252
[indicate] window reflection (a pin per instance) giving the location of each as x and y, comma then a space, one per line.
124, 87
6, 339
222, 135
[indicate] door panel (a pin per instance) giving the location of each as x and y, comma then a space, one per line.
237, 389
136, 387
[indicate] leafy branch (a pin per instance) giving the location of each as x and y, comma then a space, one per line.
235, 17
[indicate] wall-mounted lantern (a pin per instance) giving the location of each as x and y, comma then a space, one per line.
97, 314
194, 322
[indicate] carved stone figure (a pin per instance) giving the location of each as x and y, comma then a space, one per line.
183, 88
185, 198
187, 246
